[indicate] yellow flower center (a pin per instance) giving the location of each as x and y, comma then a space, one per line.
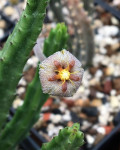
64, 74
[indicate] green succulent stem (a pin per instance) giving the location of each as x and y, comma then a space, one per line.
16, 52
68, 138
25, 116
57, 40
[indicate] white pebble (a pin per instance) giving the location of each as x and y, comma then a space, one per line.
101, 130
90, 139
103, 50
99, 73
65, 11
114, 102
1, 33
17, 102
50, 15
66, 117
22, 82
33, 61
103, 119
99, 95
50, 127
108, 31
113, 92
55, 118
21, 90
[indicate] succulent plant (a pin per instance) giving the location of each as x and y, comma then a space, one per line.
69, 138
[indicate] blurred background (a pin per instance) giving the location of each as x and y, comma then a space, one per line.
94, 38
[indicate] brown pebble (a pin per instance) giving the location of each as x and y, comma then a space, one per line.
96, 103
54, 106
93, 70
69, 124
70, 103
92, 92
92, 119
9, 10
107, 86
99, 137
28, 75
82, 115
82, 103
39, 124
99, 87
110, 52
116, 83
92, 131
14, 2
2, 24
109, 71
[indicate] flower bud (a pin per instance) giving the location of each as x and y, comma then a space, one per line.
61, 74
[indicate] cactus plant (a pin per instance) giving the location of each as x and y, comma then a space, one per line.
88, 5
84, 37
16, 51
57, 9
69, 138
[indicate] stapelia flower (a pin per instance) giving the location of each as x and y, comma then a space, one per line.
61, 74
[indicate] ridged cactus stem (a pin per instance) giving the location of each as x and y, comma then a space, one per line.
25, 116
89, 6
83, 32
69, 138
57, 40
16, 51
56, 7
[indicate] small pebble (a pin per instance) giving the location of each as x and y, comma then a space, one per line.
96, 103
99, 95
17, 102
90, 139
114, 102
22, 82
55, 118
90, 111
20, 90
2, 24
50, 127
9, 11
47, 116
116, 119
1, 33
99, 73
98, 138
66, 117
107, 129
